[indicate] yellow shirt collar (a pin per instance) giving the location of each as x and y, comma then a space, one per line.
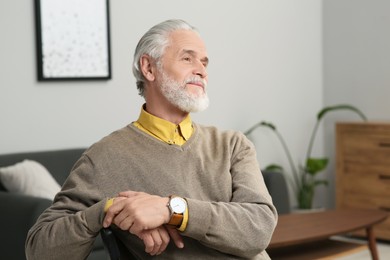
164, 130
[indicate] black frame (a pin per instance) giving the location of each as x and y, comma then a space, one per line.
105, 65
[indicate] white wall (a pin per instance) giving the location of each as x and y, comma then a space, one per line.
266, 64
356, 64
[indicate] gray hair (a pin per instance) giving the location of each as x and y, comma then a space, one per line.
153, 43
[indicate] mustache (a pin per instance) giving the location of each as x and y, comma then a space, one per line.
196, 80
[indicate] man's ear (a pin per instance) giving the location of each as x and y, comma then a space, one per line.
147, 67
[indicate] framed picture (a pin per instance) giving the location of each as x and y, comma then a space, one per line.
73, 39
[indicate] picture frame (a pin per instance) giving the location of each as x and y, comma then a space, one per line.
73, 40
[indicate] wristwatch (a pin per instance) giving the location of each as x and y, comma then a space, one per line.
177, 206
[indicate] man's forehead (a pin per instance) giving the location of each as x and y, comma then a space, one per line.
185, 41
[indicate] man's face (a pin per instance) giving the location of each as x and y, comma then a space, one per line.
183, 72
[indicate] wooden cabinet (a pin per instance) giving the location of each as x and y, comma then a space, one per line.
363, 169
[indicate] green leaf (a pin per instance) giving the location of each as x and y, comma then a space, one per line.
274, 168
268, 124
315, 165
340, 107
260, 124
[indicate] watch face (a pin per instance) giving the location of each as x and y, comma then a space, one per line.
178, 205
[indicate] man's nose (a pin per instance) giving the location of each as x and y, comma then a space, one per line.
200, 70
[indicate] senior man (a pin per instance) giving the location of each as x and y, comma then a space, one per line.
168, 187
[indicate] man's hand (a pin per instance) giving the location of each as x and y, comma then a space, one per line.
157, 240
144, 215
139, 211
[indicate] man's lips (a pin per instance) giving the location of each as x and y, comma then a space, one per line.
199, 84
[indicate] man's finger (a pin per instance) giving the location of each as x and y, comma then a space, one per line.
176, 237
148, 242
157, 241
165, 239
123, 223
107, 221
114, 210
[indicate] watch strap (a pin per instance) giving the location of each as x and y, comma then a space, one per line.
176, 219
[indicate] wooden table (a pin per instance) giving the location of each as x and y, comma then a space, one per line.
296, 229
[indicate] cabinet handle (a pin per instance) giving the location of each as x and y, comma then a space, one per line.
384, 177
385, 208
384, 144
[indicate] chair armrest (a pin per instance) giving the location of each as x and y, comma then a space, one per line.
110, 243
116, 249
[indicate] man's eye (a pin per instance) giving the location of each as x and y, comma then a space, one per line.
187, 59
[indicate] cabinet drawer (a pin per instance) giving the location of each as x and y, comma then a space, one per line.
366, 148
366, 180
380, 170
367, 184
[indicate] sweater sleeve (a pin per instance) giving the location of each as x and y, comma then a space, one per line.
244, 225
68, 228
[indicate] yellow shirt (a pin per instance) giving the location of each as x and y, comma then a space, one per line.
163, 130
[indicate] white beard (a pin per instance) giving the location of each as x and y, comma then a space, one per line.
176, 93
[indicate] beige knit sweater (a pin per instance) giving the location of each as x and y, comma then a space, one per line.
231, 215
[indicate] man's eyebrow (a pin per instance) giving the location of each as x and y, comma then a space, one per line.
205, 60
194, 54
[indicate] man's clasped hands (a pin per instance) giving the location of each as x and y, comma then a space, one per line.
145, 216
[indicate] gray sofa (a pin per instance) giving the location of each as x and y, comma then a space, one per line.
277, 187
19, 212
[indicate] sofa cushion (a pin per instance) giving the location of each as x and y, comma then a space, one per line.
30, 178
58, 162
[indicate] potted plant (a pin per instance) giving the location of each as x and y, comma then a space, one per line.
304, 177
